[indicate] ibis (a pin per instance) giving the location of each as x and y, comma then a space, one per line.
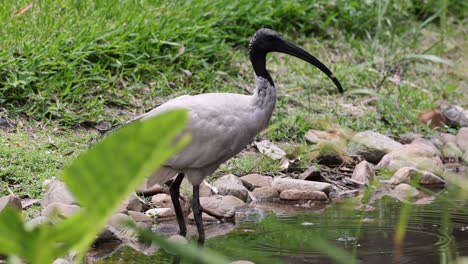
222, 124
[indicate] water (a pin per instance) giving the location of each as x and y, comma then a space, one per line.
435, 233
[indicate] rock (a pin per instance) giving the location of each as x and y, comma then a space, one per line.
404, 192
178, 239
455, 115
117, 228
61, 261
140, 217
303, 195
160, 213
36, 221
418, 155
433, 118
221, 206
330, 153
133, 203
25, 203
363, 172
372, 146
282, 184
409, 137
316, 136
6, 123
207, 219
462, 139
465, 158
146, 190
451, 151
409, 174
431, 146
205, 189
62, 209
57, 191
311, 174
231, 185
446, 138
10, 200
265, 193
256, 180
269, 149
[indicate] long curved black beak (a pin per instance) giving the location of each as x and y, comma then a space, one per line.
291, 49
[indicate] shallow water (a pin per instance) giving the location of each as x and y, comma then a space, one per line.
435, 233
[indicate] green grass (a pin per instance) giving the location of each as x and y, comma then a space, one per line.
67, 63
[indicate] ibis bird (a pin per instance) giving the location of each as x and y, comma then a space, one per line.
222, 124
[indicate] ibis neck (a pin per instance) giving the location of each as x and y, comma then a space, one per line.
258, 60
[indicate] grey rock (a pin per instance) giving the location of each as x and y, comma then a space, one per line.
446, 138
363, 172
178, 239
281, 184
372, 146
256, 180
207, 219
221, 206
409, 137
311, 174
62, 209
409, 174
133, 203
451, 151
146, 190
161, 213
140, 217
57, 191
163, 200
431, 145
303, 195
404, 192
10, 200
462, 139
117, 229
418, 155
265, 193
455, 115
231, 185
187, 188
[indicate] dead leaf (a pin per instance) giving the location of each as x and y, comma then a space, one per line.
271, 150
284, 163
180, 51
24, 9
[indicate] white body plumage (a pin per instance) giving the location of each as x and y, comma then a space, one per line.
220, 125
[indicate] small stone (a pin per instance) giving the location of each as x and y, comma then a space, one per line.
408, 174
140, 217
178, 239
256, 180
221, 206
363, 172
446, 138
207, 219
57, 191
163, 200
311, 174
62, 209
409, 137
281, 184
451, 151
231, 185
372, 146
462, 139
61, 261
404, 191
151, 190
187, 188
418, 155
133, 203
160, 213
303, 195
265, 193
10, 200
455, 115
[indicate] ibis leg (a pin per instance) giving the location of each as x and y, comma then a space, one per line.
197, 213
175, 194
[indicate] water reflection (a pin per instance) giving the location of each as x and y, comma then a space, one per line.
435, 233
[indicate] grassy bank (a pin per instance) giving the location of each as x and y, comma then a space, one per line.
67, 63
